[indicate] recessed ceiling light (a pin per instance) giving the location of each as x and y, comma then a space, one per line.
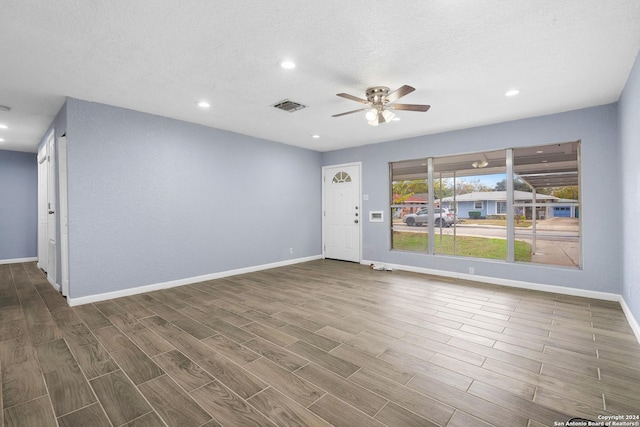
512, 92
204, 104
288, 65
539, 152
3, 126
315, 136
545, 161
1, 140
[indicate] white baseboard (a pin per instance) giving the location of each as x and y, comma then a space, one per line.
505, 282
607, 296
34, 259
485, 279
181, 282
633, 322
17, 260
53, 283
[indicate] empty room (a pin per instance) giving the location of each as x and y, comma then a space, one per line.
320, 213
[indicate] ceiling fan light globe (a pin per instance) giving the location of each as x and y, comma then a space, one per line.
388, 115
373, 122
371, 114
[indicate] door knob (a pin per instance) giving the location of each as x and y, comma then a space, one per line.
355, 220
51, 212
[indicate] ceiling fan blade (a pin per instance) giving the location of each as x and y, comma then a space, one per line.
350, 112
352, 98
399, 93
410, 107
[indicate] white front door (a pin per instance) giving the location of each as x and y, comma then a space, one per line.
342, 214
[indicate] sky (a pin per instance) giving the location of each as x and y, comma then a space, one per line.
488, 180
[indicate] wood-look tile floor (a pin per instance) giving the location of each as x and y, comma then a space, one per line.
320, 343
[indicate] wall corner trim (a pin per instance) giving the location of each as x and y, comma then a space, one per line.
53, 284
186, 281
633, 322
17, 260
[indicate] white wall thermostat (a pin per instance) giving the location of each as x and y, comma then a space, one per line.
375, 216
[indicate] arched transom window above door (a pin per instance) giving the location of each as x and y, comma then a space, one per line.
341, 177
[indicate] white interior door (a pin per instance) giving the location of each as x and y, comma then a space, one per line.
43, 216
342, 214
51, 210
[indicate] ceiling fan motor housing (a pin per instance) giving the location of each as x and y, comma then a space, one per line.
377, 94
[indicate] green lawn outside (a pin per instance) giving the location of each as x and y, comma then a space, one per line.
477, 247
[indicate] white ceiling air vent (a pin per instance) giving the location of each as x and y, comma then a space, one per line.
290, 106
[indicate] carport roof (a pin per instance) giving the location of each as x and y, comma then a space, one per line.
543, 166
500, 196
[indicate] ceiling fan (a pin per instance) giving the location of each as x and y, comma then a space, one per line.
380, 101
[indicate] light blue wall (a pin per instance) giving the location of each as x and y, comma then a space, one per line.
153, 199
598, 130
629, 118
18, 205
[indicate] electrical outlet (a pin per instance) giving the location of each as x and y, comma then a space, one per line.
472, 270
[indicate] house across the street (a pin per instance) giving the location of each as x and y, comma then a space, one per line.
494, 203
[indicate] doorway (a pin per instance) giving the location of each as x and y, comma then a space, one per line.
43, 197
342, 216
52, 212
47, 195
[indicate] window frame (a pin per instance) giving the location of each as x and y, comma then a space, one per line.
503, 208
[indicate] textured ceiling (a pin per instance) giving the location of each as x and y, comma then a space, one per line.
162, 56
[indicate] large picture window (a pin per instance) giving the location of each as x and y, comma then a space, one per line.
515, 205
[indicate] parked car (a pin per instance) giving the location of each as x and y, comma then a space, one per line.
443, 217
